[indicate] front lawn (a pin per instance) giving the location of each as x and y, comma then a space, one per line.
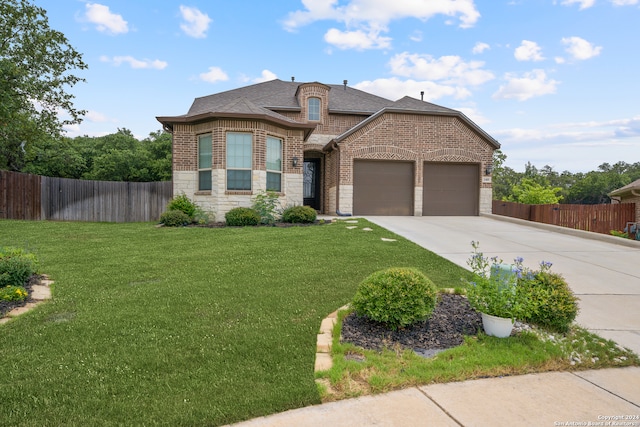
182, 326
208, 326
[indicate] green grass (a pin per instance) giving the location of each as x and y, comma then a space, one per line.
182, 326
357, 371
199, 326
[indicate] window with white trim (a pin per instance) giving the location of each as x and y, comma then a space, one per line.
239, 160
313, 109
274, 164
204, 162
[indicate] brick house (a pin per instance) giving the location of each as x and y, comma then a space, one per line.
332, 147
628, 194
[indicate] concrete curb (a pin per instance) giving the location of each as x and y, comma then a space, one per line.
570, 231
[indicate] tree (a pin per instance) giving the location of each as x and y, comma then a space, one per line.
34, 63
534, 193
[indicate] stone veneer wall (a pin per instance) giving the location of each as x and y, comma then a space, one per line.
219, 200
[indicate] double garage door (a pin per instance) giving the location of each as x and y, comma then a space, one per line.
387, 188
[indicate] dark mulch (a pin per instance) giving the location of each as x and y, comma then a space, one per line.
451, 320
275, 224
7, 306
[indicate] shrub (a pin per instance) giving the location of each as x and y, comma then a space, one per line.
556, 303
242, 216
299, 214
267, 205
396, 297
16, 266
201, 217
184, 204
13, 293
175, 218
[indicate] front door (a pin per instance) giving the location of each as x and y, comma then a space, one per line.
311, 183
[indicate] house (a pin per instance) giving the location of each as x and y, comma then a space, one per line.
628, 194
333, 147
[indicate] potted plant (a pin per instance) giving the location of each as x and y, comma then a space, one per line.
494, 292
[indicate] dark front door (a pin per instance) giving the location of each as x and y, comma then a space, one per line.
311, 183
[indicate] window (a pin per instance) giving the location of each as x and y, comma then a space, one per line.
204, 162
274, 164
313, 107
239, 155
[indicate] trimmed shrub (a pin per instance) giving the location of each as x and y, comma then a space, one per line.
16, 266
13, 293
175, 218
299, 214
396, 297
267, 204
242, 217
556, 305
184, 204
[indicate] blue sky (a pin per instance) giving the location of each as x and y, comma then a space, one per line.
554, 81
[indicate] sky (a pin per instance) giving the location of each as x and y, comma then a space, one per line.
554, 81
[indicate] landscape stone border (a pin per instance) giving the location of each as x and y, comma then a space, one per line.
39, 293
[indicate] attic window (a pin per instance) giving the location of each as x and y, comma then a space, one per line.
313, 109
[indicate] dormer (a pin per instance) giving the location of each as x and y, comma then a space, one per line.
313, 99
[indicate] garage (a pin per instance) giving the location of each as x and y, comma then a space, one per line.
383, 187
451, 189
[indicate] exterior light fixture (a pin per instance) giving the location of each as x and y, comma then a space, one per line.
294, 162
488, 170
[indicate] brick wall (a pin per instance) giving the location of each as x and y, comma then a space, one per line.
416, 138
219, 200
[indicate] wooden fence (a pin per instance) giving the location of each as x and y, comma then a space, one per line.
33, 197
595, 218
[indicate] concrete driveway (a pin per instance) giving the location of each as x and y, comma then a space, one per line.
603, 271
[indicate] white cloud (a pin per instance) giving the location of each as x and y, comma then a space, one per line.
155, 64
530, 85
105, 21
624, 2
449, 69
584, 4
265, 77
528, 51
381, 12
480, 47
580, 49
394, 89
416, 36
214, 75
96, 117
365, 20
358, 40
195, 22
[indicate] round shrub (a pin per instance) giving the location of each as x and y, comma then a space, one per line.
16, 266
555, 305
299, 214
242, 217
175, 218
396, 297
184, 204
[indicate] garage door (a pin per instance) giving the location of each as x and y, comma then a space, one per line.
382, 188
450, 189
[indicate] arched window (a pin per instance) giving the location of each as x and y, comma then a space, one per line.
313, 109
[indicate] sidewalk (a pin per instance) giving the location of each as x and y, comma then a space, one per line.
548, 399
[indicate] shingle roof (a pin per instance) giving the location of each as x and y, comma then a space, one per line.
264, 100
281, 95
629, 188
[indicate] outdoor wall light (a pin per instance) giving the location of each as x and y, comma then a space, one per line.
488, 170
294, 162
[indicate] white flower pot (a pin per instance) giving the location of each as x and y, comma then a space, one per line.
497, 326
